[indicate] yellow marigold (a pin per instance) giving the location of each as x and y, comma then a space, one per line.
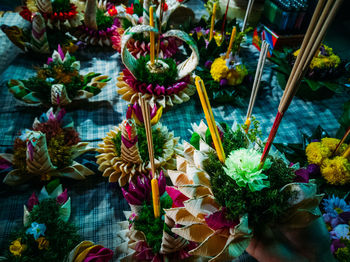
17, 247
330, 143
316, 153
219, 69
234, 76
322, 61
336, 171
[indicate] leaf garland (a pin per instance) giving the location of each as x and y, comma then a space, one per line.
103, 21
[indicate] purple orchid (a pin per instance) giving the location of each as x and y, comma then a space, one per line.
136, 109
302, 175
313, 169
177, 197
142, 191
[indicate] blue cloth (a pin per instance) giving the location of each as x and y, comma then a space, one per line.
96, 208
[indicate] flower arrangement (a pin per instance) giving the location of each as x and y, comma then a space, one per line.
124, 154
38, 38
222, 206
150, 238
137, 14
165, 82
47, 235
100, 24
47, 150
335, 169
58, 82
225, 77
337, 217
326, 74
329, 170
57, 14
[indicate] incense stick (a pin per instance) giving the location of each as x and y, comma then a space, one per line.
341, 141
203, 96
320, 22
247, 14
154, 181
223, 23
257, 79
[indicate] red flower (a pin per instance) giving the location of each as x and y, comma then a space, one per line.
130, 10
165, 7
180, 1
112, 11
26, 14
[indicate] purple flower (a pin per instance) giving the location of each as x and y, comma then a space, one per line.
313, 169
336, 244
302, 175
345, 216
208, 64
218, 220
315, 140
223, 82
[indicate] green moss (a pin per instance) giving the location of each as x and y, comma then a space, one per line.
153, 227
62, 236
158, 142
103, 21
144, 75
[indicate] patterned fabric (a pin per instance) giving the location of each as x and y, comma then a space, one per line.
95, 207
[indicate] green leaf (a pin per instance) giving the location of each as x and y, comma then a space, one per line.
314, 85
195, 138
332, 86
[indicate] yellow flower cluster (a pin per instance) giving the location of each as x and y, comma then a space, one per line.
43, 243
336, 170
234, 76
17, 247
323, 61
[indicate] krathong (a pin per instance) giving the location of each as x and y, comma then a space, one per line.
124, 154
47, 150
222, 206
58, 82
164, 83
47, 234
144, 237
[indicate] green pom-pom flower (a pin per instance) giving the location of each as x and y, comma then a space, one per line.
242, 166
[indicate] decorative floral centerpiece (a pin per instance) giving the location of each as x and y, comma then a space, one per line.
137, 14
149, 238
47, 150
47, 235
58, 14
337, 217
224, 74
124, 154
38, 38
222, 206
58, 82
164, 83
326, 74
100, 24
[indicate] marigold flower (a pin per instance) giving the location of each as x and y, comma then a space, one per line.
316, 153
336, 171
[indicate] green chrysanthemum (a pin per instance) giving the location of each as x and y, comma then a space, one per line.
242, 166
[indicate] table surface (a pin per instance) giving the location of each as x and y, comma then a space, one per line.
96, 208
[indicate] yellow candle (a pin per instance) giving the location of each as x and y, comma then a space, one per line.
212, 22
155, 197
203, 96
233, 35
151, 35
247, 125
